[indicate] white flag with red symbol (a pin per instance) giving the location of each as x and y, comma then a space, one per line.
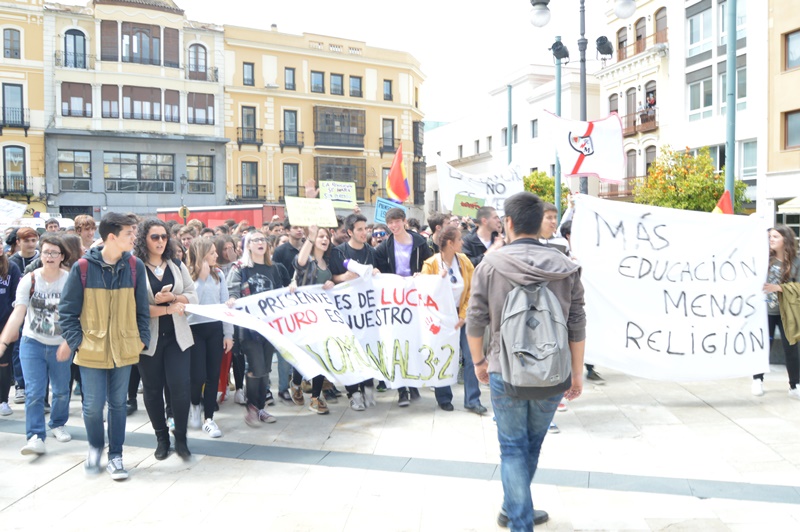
590, 148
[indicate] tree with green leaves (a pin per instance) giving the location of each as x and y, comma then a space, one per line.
544, 186
683, 180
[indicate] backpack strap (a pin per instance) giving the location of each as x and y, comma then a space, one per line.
33, 284
83, 266
132, 262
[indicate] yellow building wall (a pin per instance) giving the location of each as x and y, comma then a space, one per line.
784, 17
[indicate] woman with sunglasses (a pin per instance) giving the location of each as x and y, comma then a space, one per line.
253, 274
167, 360
456, 266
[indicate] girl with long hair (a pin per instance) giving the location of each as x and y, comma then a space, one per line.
166, 361
784, 267
9, 279
211, 337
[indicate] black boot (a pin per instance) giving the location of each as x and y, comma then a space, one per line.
180, 446
162, 446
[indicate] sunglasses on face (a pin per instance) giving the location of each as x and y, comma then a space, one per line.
378, 234
157, 237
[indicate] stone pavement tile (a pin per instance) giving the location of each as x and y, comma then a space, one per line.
364, 461
449, 468
771, 430
639, 484
788, 451
756, 516
707, 489
686, 525
283, 454
562, 477
265, 478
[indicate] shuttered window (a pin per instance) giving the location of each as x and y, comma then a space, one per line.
141, 103
110, 97
108, 40
172, 105
76, 99
200, 108
171, 48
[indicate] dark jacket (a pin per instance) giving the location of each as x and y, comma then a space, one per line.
105, 320
420, 252
8, 292
473, 248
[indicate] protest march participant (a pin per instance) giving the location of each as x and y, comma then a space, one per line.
211, 338
784, 267
102, 298
403, 253
285, 253
454, 265
85, 227
361, 395
36, 310
379, 233
339, 235
522, 423
9, 279
166, 361
253, 274
27, 240
486, 237
311, 267
436, 222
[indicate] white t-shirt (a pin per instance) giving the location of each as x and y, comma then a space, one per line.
41, 318
458, 285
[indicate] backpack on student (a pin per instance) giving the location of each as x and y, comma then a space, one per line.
83, 265
534, 343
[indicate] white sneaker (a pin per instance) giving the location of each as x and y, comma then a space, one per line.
116, 469
34, 446
5, 410
562, 406
195, 417
757, 388
239, 397
553, 429
357, 402
61, 434
794, 393
369, 395
19, 396
212, 429
92, 464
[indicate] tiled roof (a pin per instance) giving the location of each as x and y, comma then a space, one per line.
161, 5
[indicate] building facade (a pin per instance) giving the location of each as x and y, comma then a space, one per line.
133, 99
309, 107
22, 122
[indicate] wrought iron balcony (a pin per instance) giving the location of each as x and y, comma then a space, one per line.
344, 140
16, 117
249, 135
622, 190
251, 192
17, 184
640, 122
297, 191
389, 145
291, 138
637, 47
74, 60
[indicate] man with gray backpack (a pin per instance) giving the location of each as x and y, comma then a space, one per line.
531, 298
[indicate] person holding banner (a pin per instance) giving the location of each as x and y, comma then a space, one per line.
784, 267
253, 274
311, 268
450, 262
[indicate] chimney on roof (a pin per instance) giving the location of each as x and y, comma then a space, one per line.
274, 27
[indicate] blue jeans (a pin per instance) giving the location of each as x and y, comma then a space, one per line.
284, 373
472, 390
521, 428
38, 361
100, 386
19, 378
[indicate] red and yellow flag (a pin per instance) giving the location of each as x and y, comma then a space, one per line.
397, 186
724, 205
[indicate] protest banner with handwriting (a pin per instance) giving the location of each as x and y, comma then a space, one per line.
399, 330
341, 193
672, 294
382, 206
310, 211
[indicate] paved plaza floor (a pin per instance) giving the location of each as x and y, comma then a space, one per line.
631, 455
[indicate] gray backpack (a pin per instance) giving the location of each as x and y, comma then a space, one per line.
535, 357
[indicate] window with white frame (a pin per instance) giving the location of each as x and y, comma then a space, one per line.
534, 129
741, 21
741, 90
699, 33
701, 100
749, 159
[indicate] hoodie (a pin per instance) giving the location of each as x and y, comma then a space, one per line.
473, 248
525, 261
420, 252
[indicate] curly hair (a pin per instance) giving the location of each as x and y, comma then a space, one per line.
789, 251
140, 248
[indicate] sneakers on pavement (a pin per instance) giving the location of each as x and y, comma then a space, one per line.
211, 428
116, 469
478, 409
794, 393
413, 393
269, 401
266, 417
553, 428
34, 446
61, 434
297, 395
131, 407
540, 517
285, 396
239, 398
19, 396
757, 387
195, 416
357, 402
92, 464
5, 410
562, 406
318, 405
381, 387
592, 375
369, 396
330, 396
251, 417
402, 398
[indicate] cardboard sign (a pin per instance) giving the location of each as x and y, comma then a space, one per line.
310, 211
467, 205
341, 193
383, 205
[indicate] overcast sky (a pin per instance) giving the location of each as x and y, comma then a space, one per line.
465, 47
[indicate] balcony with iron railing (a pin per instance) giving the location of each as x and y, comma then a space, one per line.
74, 60
343, 140
389, 145
640, 122
621, 190
208, 74
292, 139
16, 117
201, 120
249, 135
639, 46
292, 191
17, 184
251, 192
